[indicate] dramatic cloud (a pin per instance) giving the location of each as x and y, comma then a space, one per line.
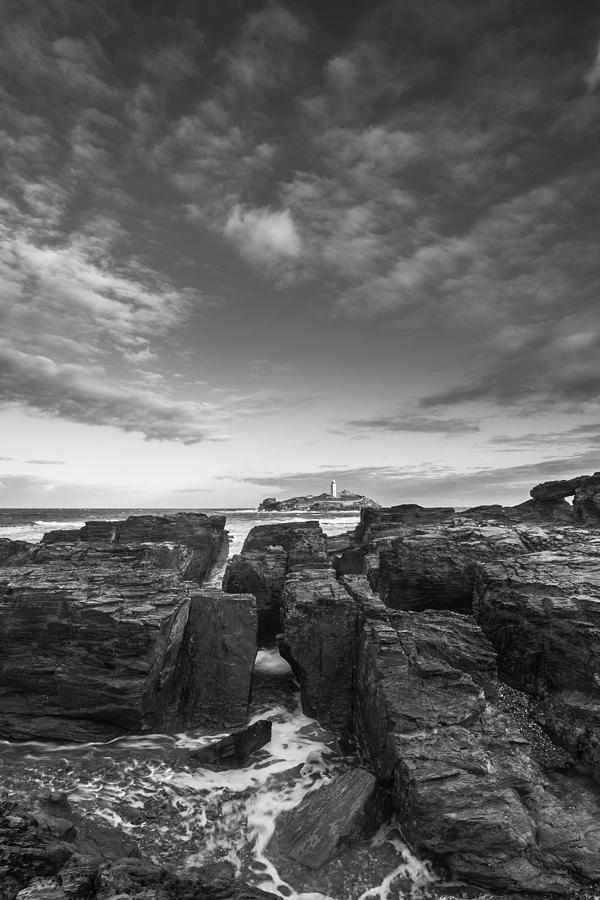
80, 394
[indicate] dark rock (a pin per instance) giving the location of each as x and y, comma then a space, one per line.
202, 540
435, 568
89, 653
348, 809
261, 573
268, 554
319, 624
542, 614
533, 511
557, 490
463, 782
234, 749
378, 521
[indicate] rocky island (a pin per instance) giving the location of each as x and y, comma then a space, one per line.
455, 654
345, 500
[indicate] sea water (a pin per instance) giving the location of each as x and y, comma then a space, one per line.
186, 816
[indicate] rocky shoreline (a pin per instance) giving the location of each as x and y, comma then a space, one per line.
455, 654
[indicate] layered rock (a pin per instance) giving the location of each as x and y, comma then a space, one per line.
435, 568
92, 652
542, 614
268, 554
585, 490
204, 538
463, 782
319, 624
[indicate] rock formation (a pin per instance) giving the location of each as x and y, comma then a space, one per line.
102, 638
203, 536
268, 554
91, 653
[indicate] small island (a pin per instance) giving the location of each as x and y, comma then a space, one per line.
346, 500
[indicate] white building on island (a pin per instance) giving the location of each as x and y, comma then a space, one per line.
333, 490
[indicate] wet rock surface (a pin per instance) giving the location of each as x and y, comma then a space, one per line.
349, 809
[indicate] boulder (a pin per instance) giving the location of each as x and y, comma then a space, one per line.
463, 783
319, 624
348, 809
268, 554
93, 652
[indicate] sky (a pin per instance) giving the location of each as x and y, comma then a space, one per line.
247, 247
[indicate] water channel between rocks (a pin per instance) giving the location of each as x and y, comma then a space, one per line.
186, 816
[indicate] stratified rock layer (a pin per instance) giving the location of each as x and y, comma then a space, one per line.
204, 537
319, 624
91, 652
463, 781
542, 614
268, 554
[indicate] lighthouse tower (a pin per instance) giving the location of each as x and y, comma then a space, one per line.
333, 490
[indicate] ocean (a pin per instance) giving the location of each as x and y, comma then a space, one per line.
184, 816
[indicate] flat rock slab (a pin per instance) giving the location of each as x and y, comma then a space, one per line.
234, 749
350, 808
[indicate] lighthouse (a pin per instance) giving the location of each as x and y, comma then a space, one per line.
333, 490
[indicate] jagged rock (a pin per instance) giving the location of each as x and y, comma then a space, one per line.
234, 749
268, 554
348, 809
557, 490
542, 614
202, 539
319, 623
89, 653
462, 779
